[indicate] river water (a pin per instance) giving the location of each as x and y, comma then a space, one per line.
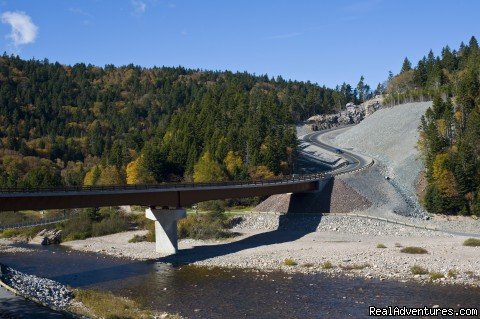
198, 292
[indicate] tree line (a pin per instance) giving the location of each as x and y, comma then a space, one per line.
90, 125
450, 129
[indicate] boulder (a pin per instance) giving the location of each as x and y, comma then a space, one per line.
47, 237
353, 114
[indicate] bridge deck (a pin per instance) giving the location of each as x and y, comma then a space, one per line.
172, 195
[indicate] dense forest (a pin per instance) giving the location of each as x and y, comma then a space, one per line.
450, 129
87, 125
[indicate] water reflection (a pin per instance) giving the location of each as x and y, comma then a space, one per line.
198, 292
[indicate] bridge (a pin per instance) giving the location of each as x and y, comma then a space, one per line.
170, 198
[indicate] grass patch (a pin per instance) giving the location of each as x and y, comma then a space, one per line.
381, 246
289, 262
472, 242
327, 265
138, 239
418, 270
452, 273
25, 233
355, 266
106, 305
414, 250
436, 275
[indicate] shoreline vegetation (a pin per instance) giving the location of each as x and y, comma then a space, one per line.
208, 220
74, 302
99, 304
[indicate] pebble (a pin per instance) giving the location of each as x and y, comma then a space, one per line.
49, 292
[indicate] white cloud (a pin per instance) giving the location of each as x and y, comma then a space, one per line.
23, 29
139, 6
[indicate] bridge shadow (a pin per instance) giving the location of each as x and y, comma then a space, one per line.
303, 216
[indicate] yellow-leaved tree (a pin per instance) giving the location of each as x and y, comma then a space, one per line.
132, 171
110, 176
207, 170
260, 172
444, 179
233, 162
92, 176
137, 174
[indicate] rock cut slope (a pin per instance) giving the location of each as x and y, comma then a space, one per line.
390, 135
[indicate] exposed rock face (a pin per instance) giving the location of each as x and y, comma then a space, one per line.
47, 237
353, 114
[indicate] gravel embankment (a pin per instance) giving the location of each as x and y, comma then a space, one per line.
339, 223
338, 198
50, 293
390, 136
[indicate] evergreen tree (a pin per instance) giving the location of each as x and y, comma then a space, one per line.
406, 66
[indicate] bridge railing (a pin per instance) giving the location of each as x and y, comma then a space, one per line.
274, 180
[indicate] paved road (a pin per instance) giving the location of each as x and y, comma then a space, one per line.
16, 307
354, 160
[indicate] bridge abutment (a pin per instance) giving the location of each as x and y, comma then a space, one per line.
166, 228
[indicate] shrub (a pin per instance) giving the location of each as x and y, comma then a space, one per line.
472, 242
327, 265
94, 222
398, 245
212, 205
110, 225
138, 239
289, 262
76, 228
355, 266
202, 226
308, 265
452, 273
381, 246
418, 270
436, 275
414, 250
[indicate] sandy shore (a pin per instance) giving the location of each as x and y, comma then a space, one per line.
337, 241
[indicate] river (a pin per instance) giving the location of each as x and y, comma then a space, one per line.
198, 292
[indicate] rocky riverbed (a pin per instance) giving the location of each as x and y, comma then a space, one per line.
335, 245
48, 292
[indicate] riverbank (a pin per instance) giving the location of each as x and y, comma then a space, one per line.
333, 245
27, 296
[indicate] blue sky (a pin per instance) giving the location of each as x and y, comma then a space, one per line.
324, 42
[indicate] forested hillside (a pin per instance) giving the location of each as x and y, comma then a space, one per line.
86, 125
450, 130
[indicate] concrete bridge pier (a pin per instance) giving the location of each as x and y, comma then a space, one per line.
165, 228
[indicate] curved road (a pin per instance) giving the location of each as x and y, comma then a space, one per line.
354, 161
